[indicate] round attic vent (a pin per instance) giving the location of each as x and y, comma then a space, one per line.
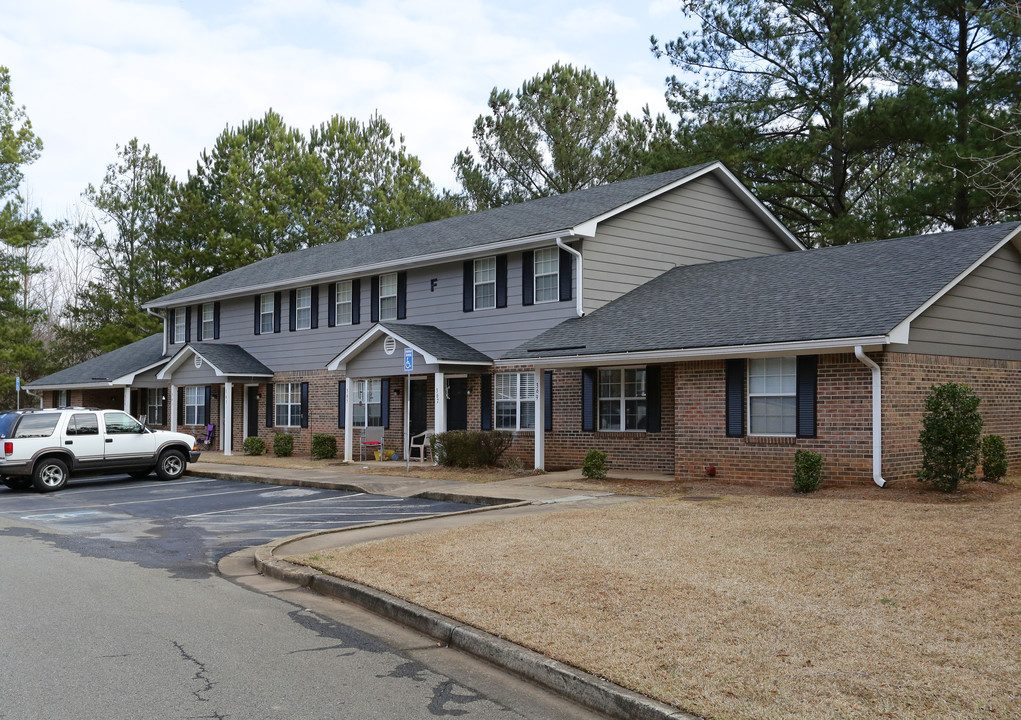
198, 361
389, 345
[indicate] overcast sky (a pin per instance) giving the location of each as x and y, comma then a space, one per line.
95, 73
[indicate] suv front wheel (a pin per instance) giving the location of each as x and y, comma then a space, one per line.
49, 475
171, 465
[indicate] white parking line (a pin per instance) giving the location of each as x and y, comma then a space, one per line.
156, 500
258, 507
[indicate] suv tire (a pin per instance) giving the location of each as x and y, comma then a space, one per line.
49, 475
171, 465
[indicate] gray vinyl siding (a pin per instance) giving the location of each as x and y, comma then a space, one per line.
490, 331
702, 221
188, 374
374, 362
980, 317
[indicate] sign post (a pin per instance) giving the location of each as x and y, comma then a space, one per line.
409, 365
17, 390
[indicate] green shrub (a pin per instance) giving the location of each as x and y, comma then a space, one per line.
951, 428
470, 448
994, 458
324, 446
807, 471
594, 466
254, 446
283, 445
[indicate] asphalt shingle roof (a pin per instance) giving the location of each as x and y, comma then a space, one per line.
438, 343
231, 359
551, 214
117, 363
849, 291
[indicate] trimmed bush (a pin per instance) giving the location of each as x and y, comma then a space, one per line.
254, 446
994, 458
807, 471
324, 446
283, 445
594, 466
951, 429
470, 448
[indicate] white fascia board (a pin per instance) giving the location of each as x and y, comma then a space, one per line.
355, 347
588, 229
177, 360
129, 378
79, 386
1013, 236
374, 269
805, 347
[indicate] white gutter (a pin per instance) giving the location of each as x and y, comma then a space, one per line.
877, 415
29, 392
562, 246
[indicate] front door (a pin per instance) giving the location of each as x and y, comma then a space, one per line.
418, 411
252, 421
457, 404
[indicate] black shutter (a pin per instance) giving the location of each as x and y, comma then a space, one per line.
486, 401
198, 325
501, 281
735, 398
468, 287
528, 277
808, 371
269, 405
402, 295
209, 404
180, 405
54, 398
374, 299
331, 301
172, 324
258, 314
161, 414
216, 320
292, 310
315, 307
134, 403
276, 312
653, 398
304, 404
341, 404
356, 301
547, 393
565, 274
187, 324
588, 399
384, 402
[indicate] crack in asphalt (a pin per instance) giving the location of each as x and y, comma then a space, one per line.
202, 674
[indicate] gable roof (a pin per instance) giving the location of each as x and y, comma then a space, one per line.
121, 364
831, 296
573, 213
225, 359
434, 345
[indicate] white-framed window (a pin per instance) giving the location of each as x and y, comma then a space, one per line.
153, 405
388, 297
287, 399
194, 405
622, 398
266, 312
344, 302
208, 321
303, 308
180, 323
515, 401
367, 403
63, 398
485, 283
772, 396
547, 275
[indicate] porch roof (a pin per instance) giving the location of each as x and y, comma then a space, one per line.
433, 344
864, 294
117, 367
224, 359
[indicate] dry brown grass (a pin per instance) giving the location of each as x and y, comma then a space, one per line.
744, 607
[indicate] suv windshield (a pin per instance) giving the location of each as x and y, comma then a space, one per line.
37, 425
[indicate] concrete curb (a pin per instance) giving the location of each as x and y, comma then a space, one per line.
582, 687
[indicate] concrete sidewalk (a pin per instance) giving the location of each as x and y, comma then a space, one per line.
505, 500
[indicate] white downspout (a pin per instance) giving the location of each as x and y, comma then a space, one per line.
877, 415
161, 317
29, 392
578, 275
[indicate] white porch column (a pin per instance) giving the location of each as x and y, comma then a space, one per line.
440, 405
226, 422
349, 426
540, 418
127, 400
173, 408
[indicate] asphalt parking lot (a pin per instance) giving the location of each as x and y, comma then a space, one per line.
188, 524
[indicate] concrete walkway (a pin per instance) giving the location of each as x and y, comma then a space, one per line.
505, 500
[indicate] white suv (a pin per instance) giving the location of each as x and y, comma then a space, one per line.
45, 447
